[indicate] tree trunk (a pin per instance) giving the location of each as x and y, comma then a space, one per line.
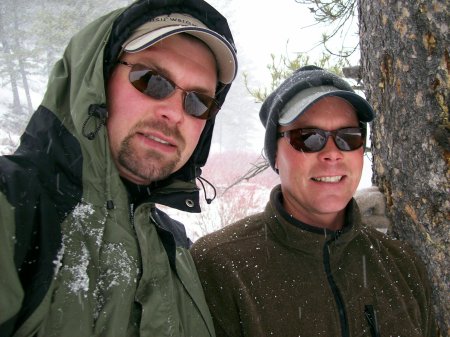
17, 107
26, 87
22, 62
405, 68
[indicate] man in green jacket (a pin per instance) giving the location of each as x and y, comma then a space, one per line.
126, 123
307, 265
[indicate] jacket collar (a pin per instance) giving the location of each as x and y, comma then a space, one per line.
306, 238
177, 194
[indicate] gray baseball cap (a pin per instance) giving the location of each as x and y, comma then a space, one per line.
307, 97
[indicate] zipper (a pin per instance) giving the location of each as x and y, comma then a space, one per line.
371, 317
337, 294
132, 215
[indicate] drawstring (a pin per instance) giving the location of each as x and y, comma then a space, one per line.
109, 197
208, 200
99, 111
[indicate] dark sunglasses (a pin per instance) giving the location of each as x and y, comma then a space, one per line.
314, 140
156, 86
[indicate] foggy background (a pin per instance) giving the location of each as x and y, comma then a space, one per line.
33, 35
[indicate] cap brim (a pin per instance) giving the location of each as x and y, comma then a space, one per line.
307, 97
221, 48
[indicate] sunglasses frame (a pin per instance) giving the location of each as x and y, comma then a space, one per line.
332, 133
212, 106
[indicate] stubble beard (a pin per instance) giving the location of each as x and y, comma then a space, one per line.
151, 165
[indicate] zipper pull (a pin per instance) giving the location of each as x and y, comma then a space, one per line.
371, 317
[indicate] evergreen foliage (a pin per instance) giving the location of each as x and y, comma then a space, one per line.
33, 35
282, 67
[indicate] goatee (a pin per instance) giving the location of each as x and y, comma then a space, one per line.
150, 165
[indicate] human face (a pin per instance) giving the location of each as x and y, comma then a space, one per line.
317, 186
150, 138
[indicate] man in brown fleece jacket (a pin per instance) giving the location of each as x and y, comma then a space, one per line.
307, 266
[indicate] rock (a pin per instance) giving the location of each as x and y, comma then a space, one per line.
373, 208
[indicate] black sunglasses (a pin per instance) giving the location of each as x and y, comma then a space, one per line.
156, 86
314, 140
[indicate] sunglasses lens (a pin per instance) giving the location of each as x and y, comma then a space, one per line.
150, 83
158, 87
307, 140
349, 139
199, 105
314, 140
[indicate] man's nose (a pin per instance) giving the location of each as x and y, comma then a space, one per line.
331, 151
172, 107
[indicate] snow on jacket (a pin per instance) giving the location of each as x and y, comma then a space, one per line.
77, 257
271, 275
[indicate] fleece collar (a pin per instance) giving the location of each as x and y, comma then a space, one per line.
306, 238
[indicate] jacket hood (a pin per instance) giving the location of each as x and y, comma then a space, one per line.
76, 92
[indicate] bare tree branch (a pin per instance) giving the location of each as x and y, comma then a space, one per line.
258, 167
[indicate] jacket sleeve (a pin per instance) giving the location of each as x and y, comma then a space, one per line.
11, 292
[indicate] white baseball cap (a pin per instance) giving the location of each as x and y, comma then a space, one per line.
164, 26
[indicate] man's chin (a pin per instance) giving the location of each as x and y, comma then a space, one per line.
146, 174
147, 167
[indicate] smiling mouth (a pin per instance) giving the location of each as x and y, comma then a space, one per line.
156, 139
334, 179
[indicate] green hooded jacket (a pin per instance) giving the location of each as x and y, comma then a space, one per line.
271, 275
79, 256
